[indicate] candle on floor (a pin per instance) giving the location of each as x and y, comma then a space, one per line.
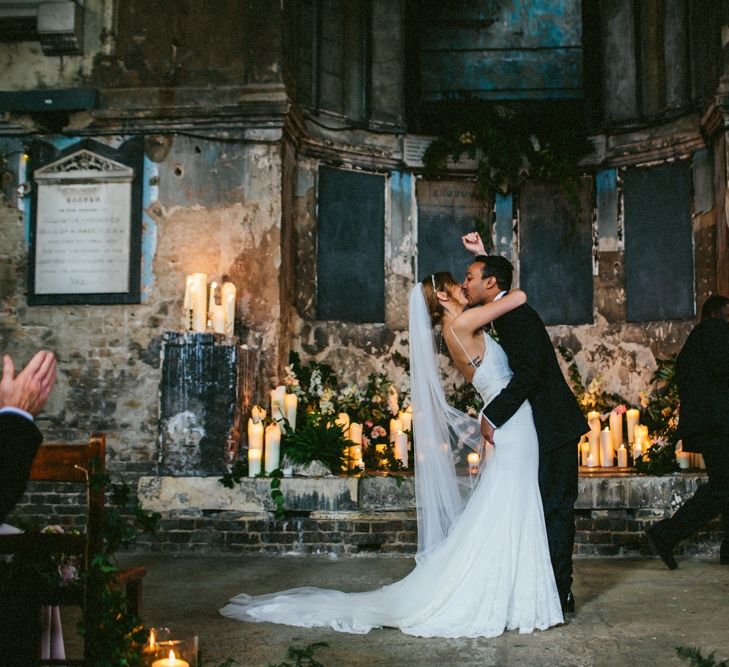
473, 460
616, 428
291, 401
401, 448
171, 661
254, 462
632, 417
622, 457
273, 447
606, 448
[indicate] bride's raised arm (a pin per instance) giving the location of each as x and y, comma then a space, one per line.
475, 318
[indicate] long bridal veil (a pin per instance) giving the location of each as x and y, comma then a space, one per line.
441, 434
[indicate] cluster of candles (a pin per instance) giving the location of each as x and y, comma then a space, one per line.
163, 651
209, 310
264, 444
600, 448
399, 428
283, 411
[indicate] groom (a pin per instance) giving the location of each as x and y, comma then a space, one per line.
557, 416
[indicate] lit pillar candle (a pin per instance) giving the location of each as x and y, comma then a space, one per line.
171, 661
622, 457
354, 457
342, 421
395, 428
254, 462
640, 435
291, 402
255, 434
199, 301
473, 459
683, 459
401, 448
632, 417
277, 402
700, 463
593, 419
637, 450
227, 298
258, 413
584, 452
606, 448
355, 433
406, 419
616, 428
273, 446
593, 440
591, 461
187, 304
217, 318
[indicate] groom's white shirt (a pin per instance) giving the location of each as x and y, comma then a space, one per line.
496, 298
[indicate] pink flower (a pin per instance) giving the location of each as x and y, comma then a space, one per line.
378, 432
619, 410
68, 573
368, 423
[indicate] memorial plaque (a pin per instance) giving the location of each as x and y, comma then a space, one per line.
85, 236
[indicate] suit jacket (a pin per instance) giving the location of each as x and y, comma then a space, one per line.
19, 442
702, 374
538, 378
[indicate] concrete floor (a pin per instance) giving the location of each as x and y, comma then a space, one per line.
630, 612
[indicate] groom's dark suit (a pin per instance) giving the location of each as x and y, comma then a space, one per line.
559, 423
19, 442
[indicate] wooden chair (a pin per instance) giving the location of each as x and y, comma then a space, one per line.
68, 463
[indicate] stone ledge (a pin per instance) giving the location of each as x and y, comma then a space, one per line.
383, 494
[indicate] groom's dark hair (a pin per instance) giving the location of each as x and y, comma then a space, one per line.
497, 266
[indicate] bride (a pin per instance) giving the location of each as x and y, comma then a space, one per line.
482, 564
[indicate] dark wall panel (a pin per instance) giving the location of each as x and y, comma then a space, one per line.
659, 273
446, 211
351, 246
555, 252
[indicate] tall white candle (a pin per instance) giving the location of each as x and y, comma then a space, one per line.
584, 452
406, 419
342, 421
622, 457
616, 428
395, 427
401, 448
355, 433
593, 439
273, 446
291, 402
199, 301
217, 318
606, 448
632, 417
593, 419
255, 434
354, 456
254, 462
227, 298
684, 460
277, 402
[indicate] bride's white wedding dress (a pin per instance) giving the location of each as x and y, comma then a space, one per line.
491, 573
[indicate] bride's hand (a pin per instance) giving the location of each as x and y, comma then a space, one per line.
487, 431
473, 243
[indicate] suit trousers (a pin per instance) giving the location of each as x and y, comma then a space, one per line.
710, 499
558, 487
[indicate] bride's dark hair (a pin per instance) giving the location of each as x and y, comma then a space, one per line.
432, 284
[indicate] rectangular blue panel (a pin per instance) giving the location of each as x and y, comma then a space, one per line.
659, 268
606, 184
351, 246
503, 224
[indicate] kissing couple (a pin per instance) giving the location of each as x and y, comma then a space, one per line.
496, 554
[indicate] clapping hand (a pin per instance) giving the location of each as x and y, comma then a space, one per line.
473, 243
30, 389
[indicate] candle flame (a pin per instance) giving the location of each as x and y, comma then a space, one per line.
151, 639
172, 656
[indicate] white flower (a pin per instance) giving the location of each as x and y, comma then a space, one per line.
290, 379
315, 386
392, 401
325, 402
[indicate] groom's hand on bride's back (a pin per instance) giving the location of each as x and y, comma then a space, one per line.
487, 430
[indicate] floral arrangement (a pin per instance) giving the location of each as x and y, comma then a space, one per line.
660, 405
